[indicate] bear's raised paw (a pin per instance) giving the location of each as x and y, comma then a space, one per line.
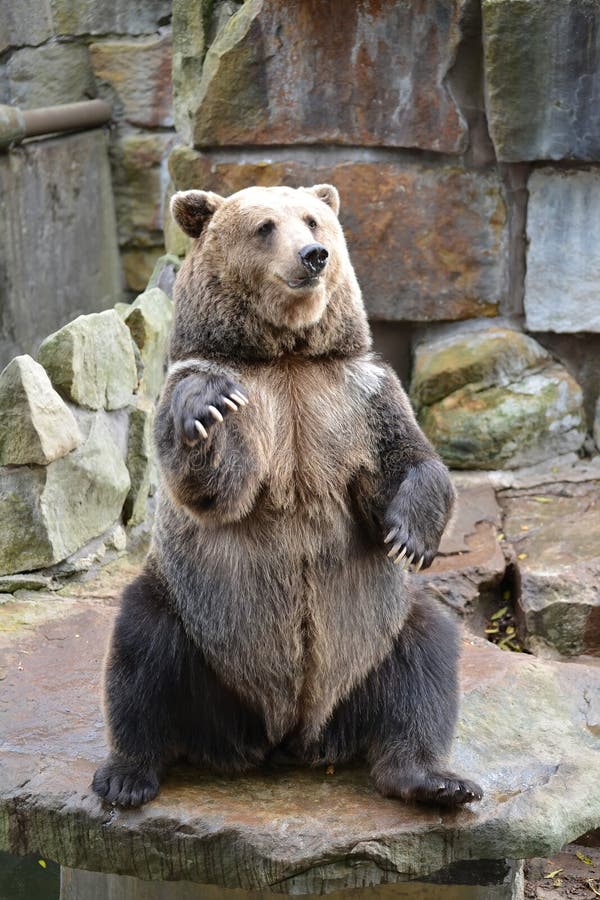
200, 404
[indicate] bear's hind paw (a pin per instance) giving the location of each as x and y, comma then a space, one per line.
125, 784
437, 788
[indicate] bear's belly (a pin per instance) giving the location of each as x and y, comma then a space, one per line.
289, 611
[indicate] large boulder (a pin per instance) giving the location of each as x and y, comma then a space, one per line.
50, 511
427, 242
562, 283
91, 361
494, 398
149, 320
542, 77
141, 461
36, 426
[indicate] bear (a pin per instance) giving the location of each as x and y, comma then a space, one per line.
276, 618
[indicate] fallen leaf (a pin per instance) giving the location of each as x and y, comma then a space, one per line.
542, 499
553, 874
522, 555
330, 770
493, 630
506, 595
584, 859
595, 890
501, 536
42, 863
498, 614
524, 527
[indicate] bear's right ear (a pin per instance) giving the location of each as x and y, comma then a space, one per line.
192, 210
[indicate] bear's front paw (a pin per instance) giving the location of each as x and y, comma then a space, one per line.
414, 539
407, 550
199, 405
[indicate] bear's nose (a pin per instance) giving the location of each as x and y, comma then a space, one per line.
314, 258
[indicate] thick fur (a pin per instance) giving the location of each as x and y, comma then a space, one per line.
269, 619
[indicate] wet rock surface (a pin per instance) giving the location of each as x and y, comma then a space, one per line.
529, 731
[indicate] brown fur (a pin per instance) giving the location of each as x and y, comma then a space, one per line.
268, 542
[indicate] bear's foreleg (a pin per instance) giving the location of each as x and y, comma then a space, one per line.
213, 444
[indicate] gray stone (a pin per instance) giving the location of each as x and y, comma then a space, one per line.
35, 424
24, 22
493, 398
555, 531
91, 361
56, 190
140, 461
149, 320
542, 77
562, 284
50, 511
135, 75
527, 730
49, 75
164, 274
139, 168
76, 17
27, 582
376, 75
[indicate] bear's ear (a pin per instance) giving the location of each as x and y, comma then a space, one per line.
192, 210
328, 194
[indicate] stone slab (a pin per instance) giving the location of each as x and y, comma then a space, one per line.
59, 186
135, 75
555, 531
24, 22
529, 730
542, 76
376, 74
140, 178
78, 17
562, 284
49, 75
428, 242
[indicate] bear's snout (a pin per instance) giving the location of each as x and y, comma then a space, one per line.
314, 258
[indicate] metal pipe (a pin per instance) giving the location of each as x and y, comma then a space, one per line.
18, 124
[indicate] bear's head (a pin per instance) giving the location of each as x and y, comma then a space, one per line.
268, 273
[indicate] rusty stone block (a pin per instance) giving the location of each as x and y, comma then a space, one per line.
363, 73
136, 77
428, 242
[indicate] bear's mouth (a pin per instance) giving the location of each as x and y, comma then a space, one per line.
298, 283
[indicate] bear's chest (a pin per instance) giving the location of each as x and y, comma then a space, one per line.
318, 442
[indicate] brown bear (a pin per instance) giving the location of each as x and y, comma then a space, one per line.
274, 618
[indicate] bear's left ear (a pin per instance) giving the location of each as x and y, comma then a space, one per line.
328, 194
192, 210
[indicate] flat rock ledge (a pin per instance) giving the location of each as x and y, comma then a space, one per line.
529, 731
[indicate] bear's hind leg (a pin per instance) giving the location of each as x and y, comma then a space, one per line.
143, 691
416, 694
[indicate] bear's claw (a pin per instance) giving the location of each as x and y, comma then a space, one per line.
198, 406
399, 553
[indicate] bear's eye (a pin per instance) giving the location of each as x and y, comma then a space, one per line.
311, 224
266, 228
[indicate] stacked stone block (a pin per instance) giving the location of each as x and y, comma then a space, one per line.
63, 51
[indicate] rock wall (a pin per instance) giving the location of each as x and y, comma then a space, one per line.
77, 466
63, 51
466, 155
